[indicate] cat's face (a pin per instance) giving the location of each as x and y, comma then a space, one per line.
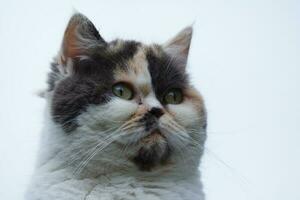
133, 96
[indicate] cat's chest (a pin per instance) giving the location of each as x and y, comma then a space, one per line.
120, 188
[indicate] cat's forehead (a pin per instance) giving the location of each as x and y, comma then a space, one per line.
135, 70
148, 67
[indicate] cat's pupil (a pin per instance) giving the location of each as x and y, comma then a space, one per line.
121, 91
173, 96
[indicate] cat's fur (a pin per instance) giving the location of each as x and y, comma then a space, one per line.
97, 146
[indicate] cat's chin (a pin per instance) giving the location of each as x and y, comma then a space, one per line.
154, 152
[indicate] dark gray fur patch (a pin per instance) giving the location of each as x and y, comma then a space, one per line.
89, 84
53, 76
165, 72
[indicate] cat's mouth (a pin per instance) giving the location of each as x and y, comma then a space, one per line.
154, 137
154, 151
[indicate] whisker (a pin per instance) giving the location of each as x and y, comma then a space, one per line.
97, 149
233, 171
74, 156
179, 143
90, 153
103, 144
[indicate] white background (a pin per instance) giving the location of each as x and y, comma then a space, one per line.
244, 59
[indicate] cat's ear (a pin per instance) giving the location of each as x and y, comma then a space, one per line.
179, 46
80, 36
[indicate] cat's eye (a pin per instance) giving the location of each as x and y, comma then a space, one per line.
123, 91
173, 96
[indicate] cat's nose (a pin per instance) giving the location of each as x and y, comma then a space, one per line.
157, 112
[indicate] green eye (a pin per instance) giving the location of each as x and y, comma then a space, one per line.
173, 96
123, 91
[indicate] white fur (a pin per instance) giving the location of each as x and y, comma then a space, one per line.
110, 176
185, 113
151, 101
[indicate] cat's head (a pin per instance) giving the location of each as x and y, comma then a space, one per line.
134, 97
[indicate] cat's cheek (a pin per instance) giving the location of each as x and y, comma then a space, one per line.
185, 113
114, 111
119, 109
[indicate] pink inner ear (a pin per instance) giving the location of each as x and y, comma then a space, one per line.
70, 47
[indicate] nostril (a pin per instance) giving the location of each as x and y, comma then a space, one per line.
157, 112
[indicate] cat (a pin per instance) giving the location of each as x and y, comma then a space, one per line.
122, 121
